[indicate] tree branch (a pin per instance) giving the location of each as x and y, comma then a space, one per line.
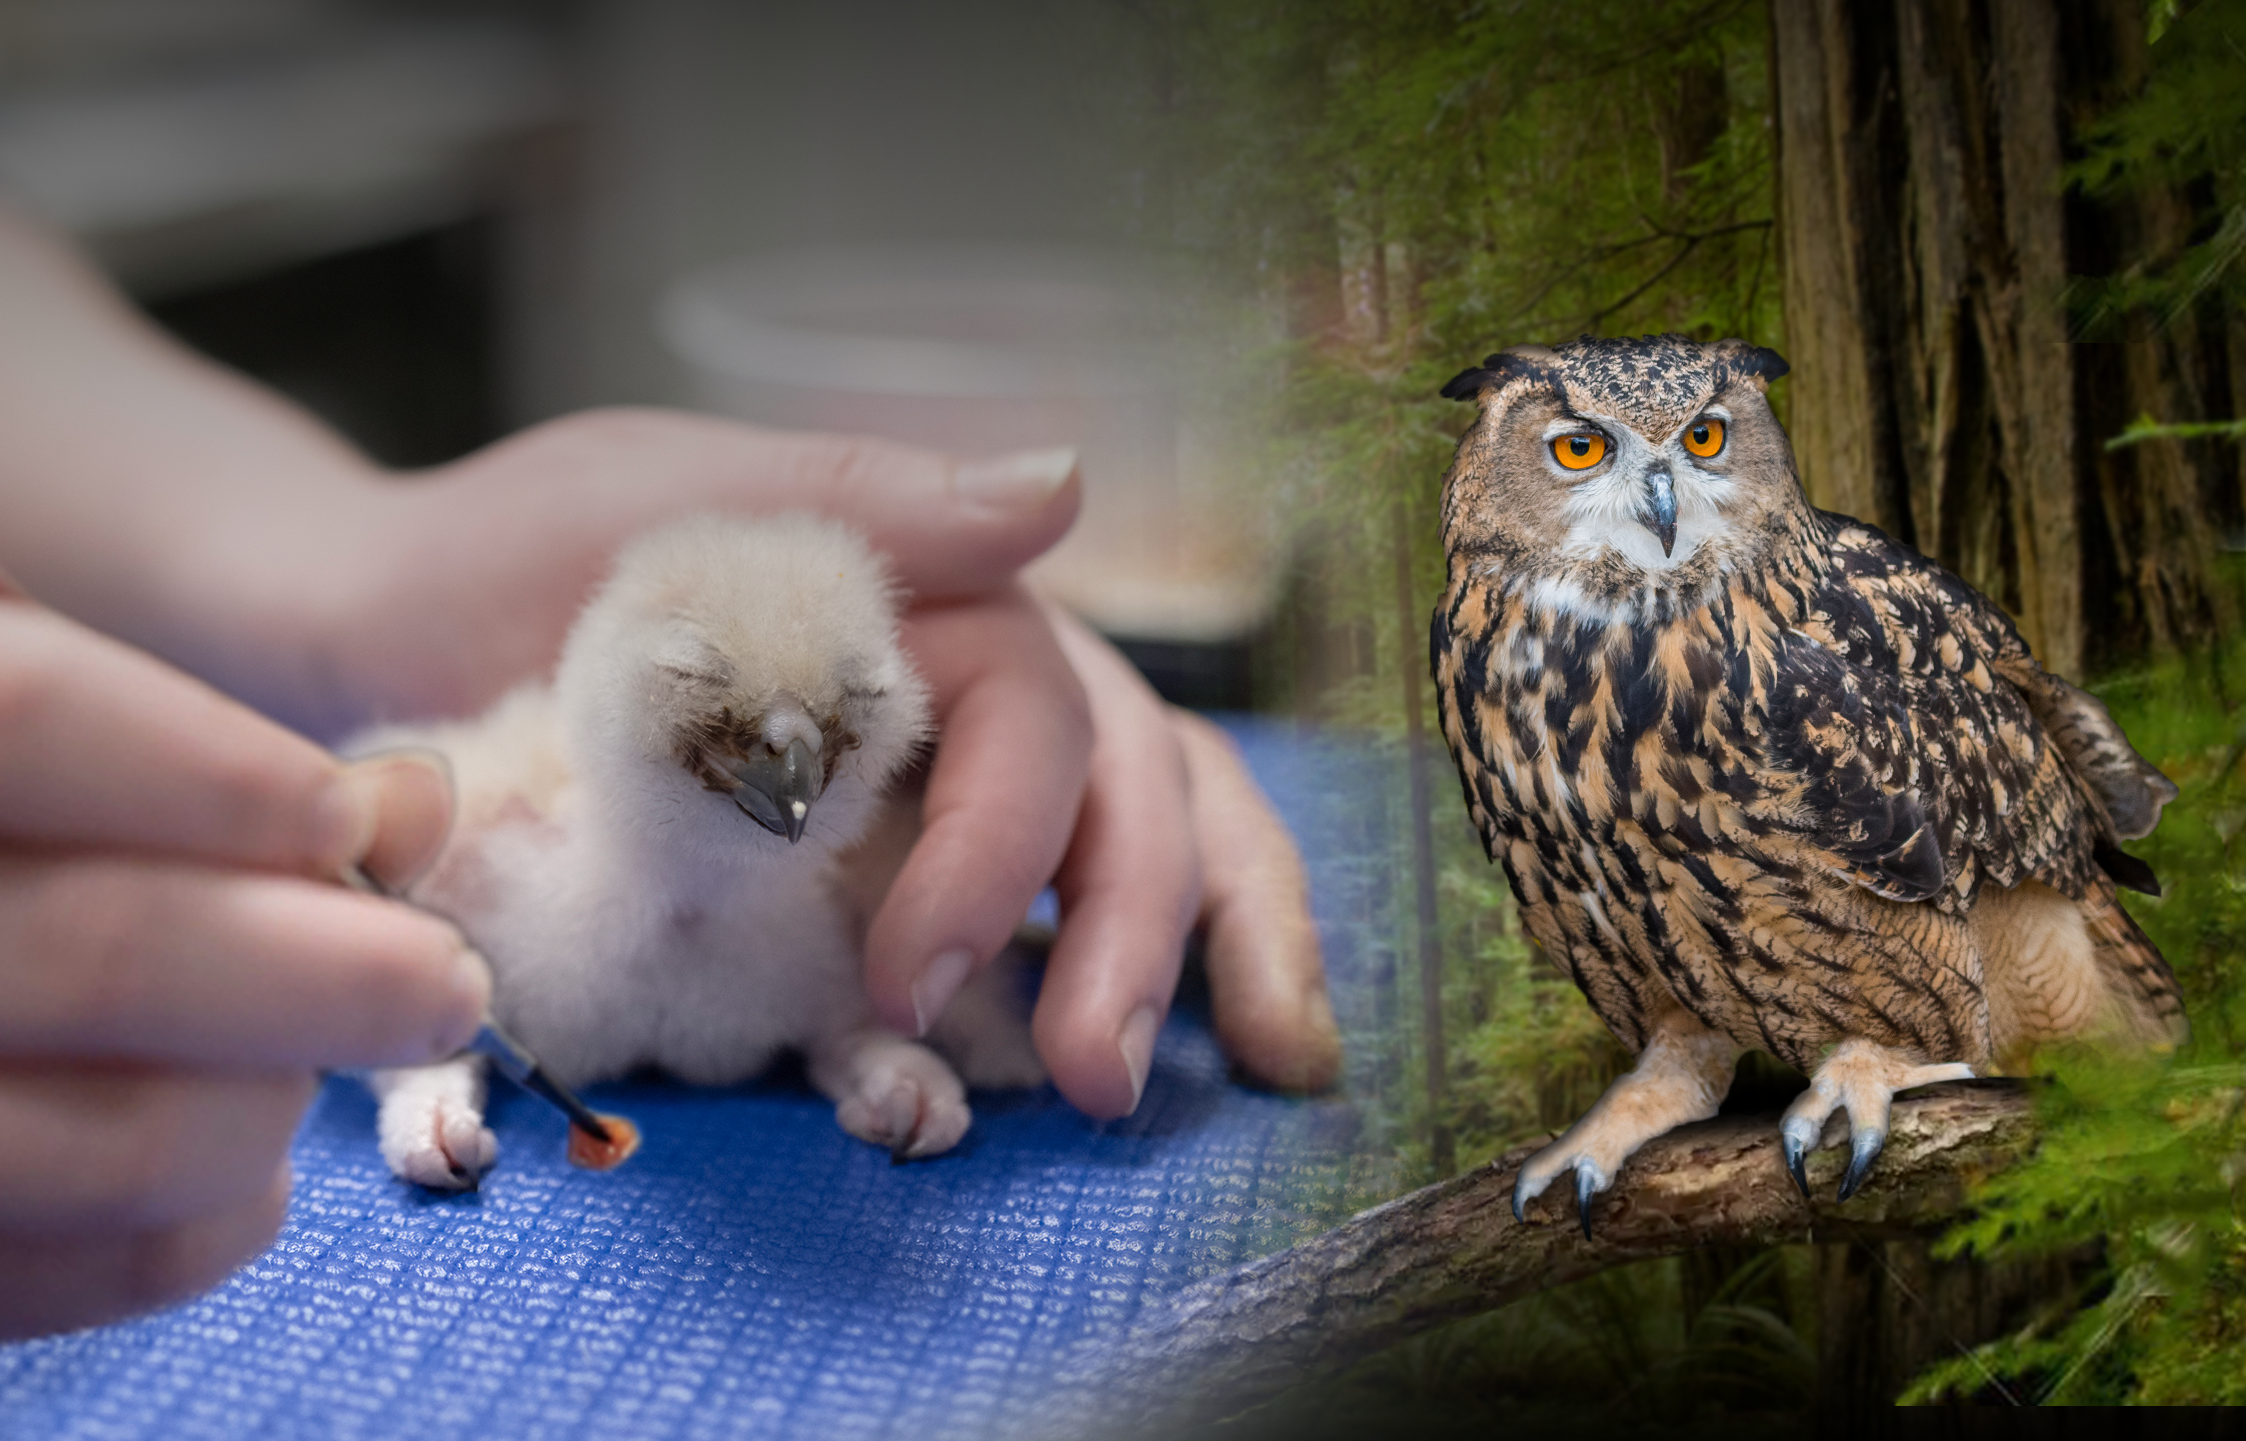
1453, 1249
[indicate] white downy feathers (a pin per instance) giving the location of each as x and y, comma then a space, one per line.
621, 849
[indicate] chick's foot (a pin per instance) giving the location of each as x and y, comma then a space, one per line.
431, 1124
896, 1093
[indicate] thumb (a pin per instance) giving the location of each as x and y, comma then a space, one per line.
105, 747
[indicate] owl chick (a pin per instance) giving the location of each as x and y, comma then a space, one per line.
1760, 776
669, 854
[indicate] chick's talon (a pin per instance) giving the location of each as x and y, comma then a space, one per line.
894, 1093
431, 1126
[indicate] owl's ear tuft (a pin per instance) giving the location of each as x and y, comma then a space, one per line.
1515, 363
1758, 363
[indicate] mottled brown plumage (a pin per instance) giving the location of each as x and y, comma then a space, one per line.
1761, 776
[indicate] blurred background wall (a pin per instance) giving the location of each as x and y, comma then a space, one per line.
719, 129
604, 147
434, 223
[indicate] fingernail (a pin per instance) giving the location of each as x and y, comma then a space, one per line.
1312, 1061
1136, 1042
1014, 483
350, 816
939, 981
472, 977
403, 806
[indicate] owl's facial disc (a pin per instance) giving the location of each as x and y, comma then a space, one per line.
1654, 502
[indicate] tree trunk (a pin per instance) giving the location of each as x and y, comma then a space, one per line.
1830, 216
1927, 241
1887, 1309
1923, 240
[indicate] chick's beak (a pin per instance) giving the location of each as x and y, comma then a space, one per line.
778, 787
1661, 509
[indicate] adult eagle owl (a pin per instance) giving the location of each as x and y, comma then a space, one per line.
1761, 776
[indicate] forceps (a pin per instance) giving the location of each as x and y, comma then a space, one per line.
509, 1054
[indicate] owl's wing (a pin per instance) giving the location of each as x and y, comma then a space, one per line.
1910, 721
2126, 786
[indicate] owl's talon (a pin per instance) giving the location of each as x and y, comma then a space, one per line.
1860, 1077
1864, 1149
1797, 1150
1680, 1076
1535, 1178
1589, 1181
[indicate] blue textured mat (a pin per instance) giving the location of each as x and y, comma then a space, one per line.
754, 1271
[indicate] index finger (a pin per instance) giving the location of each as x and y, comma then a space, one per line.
999, 808
103, 746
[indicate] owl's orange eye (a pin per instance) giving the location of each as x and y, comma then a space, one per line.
1580, 451
1705, 438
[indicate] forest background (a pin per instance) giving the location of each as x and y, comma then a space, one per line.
2000, 242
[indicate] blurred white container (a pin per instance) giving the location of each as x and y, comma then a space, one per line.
977, 350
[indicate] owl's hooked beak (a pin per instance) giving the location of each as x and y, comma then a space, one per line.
778, 787
1661, 508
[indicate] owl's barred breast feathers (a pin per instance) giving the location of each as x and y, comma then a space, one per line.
1766, 772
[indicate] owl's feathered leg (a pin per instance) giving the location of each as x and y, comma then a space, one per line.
1681, 1076
1862, 1078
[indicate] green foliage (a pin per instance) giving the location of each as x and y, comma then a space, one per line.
1545, 169
2186, 130
2146, 1158
2145, 428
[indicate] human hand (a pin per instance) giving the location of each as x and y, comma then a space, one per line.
179, 505
179, 964
1142, 814
1171, 833
496, 552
